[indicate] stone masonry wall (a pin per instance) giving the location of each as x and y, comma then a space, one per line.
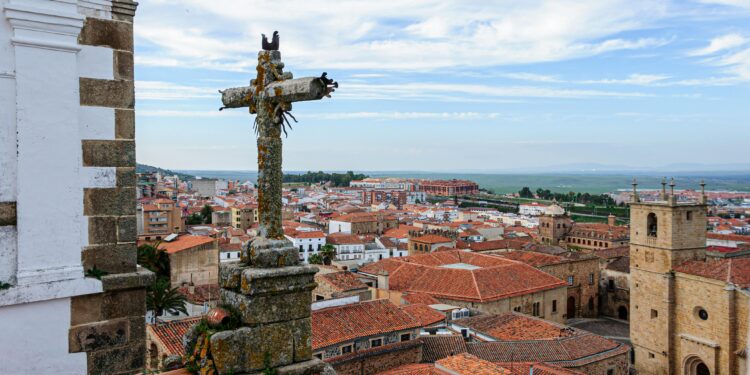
619, 364
110, 326
374, 363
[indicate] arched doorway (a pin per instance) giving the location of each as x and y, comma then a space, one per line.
571, 307
622, 313
696, 366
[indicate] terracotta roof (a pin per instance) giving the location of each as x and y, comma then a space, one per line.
612, 252
414, 369
416, 298
731, 270
184, 242
440, 346
621, 264
728, 237
344, 239
341, 281
339, 324
170, 333
537, 259
431, 239
515, 243
306, 234
445, 275
362, 217
514, 326
571, 348
424, 314
467, 364
523, 368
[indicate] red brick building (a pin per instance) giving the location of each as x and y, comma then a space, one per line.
448, 188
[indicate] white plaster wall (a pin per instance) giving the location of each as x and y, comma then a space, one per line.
96, 122
35, 339
334, 226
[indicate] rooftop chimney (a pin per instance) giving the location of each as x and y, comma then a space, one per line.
611, 220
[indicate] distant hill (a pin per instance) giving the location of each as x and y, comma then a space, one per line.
143, 168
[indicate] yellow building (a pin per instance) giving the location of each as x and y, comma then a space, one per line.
244, 216
689, 313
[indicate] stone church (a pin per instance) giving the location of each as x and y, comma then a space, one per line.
689, 312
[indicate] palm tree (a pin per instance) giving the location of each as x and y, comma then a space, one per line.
328, 252
315, 259
154, 259
160, 298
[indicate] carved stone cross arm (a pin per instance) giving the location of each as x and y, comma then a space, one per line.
287, 91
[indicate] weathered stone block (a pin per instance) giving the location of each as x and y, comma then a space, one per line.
124, 303
86, 309
137, 329
277, 280
102, 230
110, 33
230, 275
123, 10
130, 358
99, 335
123, 65
7, 213
265, 253
115, 258
109, 201
302, 334
311, 367
124, 124
126, 176
268, 308
249, 349
107, 93
108, 153
141, 278
127, 230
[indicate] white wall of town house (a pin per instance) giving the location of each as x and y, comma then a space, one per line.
42, 126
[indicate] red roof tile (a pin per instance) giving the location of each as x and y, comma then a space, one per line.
338, 324
467, 364
184, 242
424, 314
732, 270
341, 281
170, 333
416, 298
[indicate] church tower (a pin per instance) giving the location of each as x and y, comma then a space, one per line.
554, 225
663, 234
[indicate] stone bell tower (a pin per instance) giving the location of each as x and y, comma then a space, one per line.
663, 234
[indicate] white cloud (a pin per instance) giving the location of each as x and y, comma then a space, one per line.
720, 44
159, 90
734, 3
633, 79
390, 35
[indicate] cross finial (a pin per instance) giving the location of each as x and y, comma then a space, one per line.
671, 186
273, 45
635, 190
703, 191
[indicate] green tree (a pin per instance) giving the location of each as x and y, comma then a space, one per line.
194, 219
154, 259
315, 259
525, 192
328, 252
161, 298
206, 214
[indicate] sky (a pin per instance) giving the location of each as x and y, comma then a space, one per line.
452, 85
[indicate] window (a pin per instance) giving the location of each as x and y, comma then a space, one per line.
651, 355
346, 349
651, 224
405, 337
517, 309
591, 278
611, 284
610, 372
318, 297
318, 355
570, 280
554, 305
535, 309
701, 313
374, 343
654, 314
301, 248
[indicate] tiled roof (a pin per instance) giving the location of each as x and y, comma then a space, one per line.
423, 298
306, 234
424, 314
514, 326
613, 252
414, 369
440, 346
546, 249
493, 278
728, 237
431, 239
572, 349
621, 264
344, 239
467, 364
600, 230
345, 323
732, 270
523, 368
498, 244
170, 333
184, 242
341, 281
537, 259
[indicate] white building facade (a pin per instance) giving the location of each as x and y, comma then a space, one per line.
308, 243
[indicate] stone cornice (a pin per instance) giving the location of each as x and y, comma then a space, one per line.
50, 27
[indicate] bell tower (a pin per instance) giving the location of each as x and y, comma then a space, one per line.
663, 234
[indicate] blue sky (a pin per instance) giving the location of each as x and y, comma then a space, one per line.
453, 85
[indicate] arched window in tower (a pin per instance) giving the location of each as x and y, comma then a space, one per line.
651, 224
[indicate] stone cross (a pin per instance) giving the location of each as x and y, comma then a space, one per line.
269, 97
